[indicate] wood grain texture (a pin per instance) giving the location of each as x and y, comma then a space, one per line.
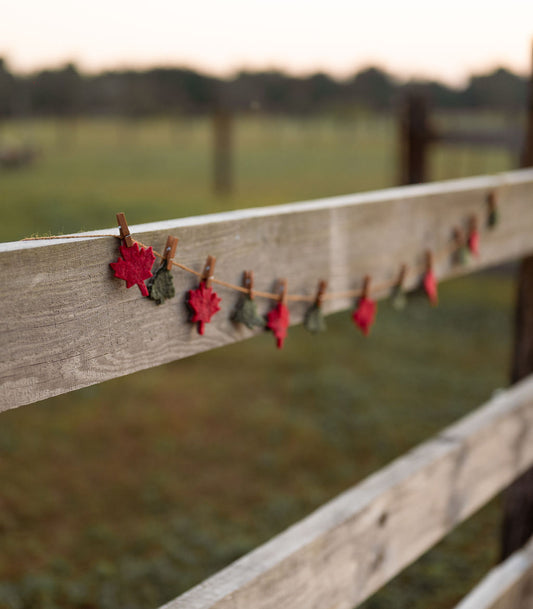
67, 323
507, 586
351, 546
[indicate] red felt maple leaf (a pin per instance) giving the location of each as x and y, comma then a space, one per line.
430, 286
135, 266
278, 321
204, 304
473, 242
365, 314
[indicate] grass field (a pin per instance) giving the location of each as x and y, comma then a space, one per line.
157, 169
125, 494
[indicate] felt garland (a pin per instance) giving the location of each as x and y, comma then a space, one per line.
246, 313
473, 238
365, 313
429, 281
430, 286
462, 253
493, 214
278, 318
246, 310
135, 262
204, 303
398, 296
135, 265
161, 285
314, 320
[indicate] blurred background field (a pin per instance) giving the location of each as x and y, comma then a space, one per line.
155, 169
127, 493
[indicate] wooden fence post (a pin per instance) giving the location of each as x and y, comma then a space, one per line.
222, 152
518, 498
527, 153
415, 136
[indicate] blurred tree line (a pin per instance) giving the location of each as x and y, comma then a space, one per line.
65, 91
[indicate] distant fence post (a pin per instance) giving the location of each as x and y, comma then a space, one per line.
222, 152
518, 498
527, 152
415, 136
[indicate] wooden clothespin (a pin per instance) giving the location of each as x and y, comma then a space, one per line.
492, 204
125, 234
460, 254
170, 250
209, 270
401, 277
492, 201
429, 261
398, 297
366, 287
314, 318
459, 237
282, 287
321, 290
248, 283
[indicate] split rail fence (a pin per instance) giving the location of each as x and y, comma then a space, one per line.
66, 324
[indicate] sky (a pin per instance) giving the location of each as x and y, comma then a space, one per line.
410, 38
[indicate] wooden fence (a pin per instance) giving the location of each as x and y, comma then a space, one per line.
67, 323
417, 137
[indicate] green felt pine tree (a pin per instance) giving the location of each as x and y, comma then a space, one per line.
161, 285
398, 298
493, 218
462, 255
314, 320
246, 313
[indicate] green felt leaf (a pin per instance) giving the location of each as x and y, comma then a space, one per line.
161, 285
314, 320
462, 255
246, 313
398, 298
493, 219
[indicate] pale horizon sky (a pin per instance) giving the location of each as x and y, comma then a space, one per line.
411, 38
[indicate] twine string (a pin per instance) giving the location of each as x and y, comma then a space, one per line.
448, 250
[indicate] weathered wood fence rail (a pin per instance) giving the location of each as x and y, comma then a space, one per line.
66, 323
350, 547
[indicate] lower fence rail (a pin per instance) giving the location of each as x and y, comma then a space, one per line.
350, 547
507, 586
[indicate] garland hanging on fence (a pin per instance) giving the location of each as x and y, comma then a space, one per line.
136, 260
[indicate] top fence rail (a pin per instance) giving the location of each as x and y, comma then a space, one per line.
67, 323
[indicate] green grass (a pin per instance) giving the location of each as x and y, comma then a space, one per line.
127, 493
159, 169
